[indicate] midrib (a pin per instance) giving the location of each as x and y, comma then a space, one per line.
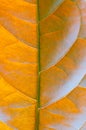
38, 84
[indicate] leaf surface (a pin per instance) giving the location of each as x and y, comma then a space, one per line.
42, 65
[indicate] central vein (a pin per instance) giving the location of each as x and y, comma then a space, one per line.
38, 85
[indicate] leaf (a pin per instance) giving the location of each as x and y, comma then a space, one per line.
82, 6
60, 76
69, 113
18, 65
42, 65
60, 36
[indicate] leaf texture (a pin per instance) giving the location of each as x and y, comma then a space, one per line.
42, 65
59, 30
18, 64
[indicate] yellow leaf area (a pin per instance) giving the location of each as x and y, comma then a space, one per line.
42, 65
18, 64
